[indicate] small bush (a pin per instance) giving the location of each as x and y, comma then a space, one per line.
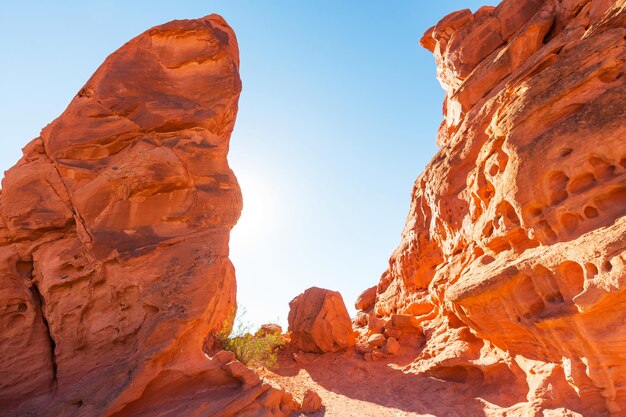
254, 351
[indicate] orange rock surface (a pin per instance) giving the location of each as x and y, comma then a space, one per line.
512, 261
505, 297
319, 322
311, 402
114, 241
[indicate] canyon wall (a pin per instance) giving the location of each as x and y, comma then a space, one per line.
513, 256
114, 231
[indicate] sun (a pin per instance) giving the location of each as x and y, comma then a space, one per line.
259, 213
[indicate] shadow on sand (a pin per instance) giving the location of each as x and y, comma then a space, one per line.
384, 383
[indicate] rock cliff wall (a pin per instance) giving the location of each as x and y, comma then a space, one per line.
513, 255
114, 231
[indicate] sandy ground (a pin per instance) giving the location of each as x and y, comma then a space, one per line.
351, 387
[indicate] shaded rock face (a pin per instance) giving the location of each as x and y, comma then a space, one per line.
319, 322
114, 239
513, 255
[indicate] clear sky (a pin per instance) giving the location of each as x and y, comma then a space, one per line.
337, 117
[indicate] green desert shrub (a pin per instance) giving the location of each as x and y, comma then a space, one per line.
252, 350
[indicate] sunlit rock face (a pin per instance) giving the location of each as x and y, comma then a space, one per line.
114, 239
513, 255
319, 322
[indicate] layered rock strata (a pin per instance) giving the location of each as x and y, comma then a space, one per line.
114, 231
513, 256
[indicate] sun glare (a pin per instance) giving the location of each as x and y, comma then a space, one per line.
259, 209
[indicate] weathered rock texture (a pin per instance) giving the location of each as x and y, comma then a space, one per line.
311, 402
114, 241
513, 255
319, 322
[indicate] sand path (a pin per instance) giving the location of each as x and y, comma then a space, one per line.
351, 387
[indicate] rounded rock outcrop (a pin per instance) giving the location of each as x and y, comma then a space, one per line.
319, 322
114, 237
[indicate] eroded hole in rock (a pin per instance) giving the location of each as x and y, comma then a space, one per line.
610, 75
493, 170
582, 183
565, 152
150, 308
569, 221
557, 180
547, 230
614, 201
488, 229
534, 211
508, 211
552, 32
571, 278
591, 212
558, 197
486, 189
25, 269
592, 270
77, 403
601, 168
487, 259
38, 301
460, 374
557, 297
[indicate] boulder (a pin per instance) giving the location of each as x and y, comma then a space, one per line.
319, 322
311, 402
366, 299
375, 324
376, 340
392, 346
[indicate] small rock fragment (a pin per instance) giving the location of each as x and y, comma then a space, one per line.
376, 340
360, 319
311, 402
363, 348
392, 346
375, 325
404, 323
366, 299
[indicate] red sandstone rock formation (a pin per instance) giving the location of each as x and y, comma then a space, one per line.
114, 241
319, 322
513, 256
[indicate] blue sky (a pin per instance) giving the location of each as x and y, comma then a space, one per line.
338, 116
